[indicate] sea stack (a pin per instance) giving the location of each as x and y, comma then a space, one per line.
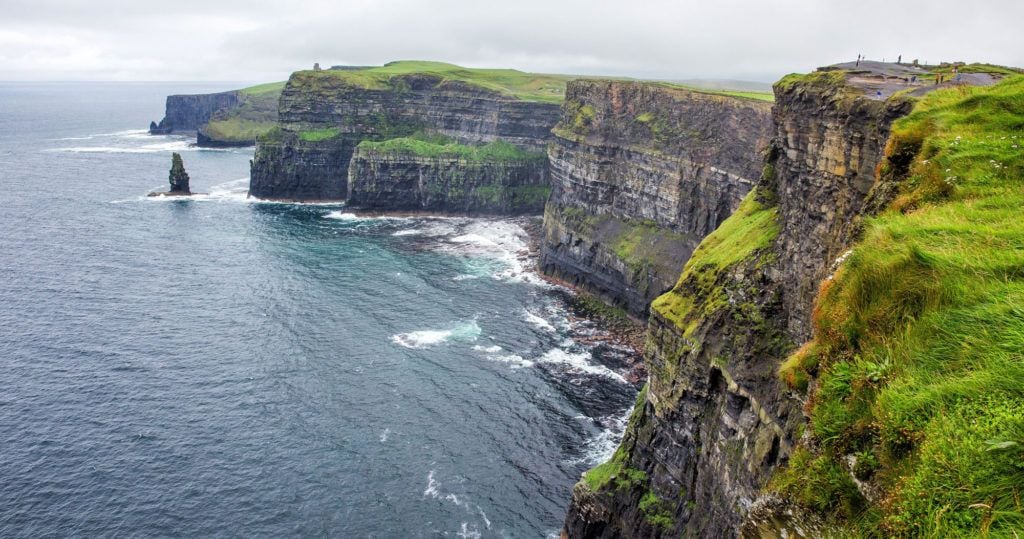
178, 179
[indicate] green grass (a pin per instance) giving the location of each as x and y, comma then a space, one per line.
918, 348
440, 147
237, 129
616, 473
271, 89
748, 231
979, 68
318, 135
819, 483
525, 86
657, 512
756, 96
255, 115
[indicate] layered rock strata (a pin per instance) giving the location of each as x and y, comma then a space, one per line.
400, 181
188, 113
222, 119
640, 173
716, 421
324, 115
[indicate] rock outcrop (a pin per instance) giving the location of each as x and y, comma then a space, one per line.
640, 173
716, 420
324, 115
383, 179
178, 179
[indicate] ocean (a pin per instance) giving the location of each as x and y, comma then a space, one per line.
219, 366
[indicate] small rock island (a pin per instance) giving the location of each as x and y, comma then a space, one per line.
178, 179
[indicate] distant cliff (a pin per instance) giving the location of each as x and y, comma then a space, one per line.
233, 118
324, 115
412, 175
640, 173
186, 113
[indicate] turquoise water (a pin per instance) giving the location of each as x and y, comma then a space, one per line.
219, 366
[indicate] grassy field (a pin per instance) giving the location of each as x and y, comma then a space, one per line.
525, 86
270, 89
918, 351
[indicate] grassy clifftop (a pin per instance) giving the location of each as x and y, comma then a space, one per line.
525, 86
255, 115
916, 370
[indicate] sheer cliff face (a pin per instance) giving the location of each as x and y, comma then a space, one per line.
640, 173
399, 182
191, 112
716, 421
323, 117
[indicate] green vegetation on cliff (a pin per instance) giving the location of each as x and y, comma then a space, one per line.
255, 115
518, 84
918, 350
745, 234
318, 135
439, 147
756, 96
616, 472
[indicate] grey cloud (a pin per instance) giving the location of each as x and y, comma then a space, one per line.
260, 40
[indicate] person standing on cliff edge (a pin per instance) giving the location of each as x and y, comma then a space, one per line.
899, 59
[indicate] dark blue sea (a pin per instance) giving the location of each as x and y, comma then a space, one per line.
218, 366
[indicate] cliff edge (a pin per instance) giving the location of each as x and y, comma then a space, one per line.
807, 371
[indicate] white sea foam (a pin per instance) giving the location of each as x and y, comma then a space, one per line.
433, 490
502, 241
384, 435
409, 232
541, 323
602, 446
515, 361
168, 146
135, 141
229, 191
467, 331
489, 349
342, 216
432, 485
467, 532
578, 362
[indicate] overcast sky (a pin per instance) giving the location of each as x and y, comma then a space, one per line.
262, 40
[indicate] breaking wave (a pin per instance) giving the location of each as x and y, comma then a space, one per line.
467, 331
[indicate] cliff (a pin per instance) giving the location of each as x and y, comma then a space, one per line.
324, 115
190, 112
836, 291
640, 173
414, 175
233, 118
